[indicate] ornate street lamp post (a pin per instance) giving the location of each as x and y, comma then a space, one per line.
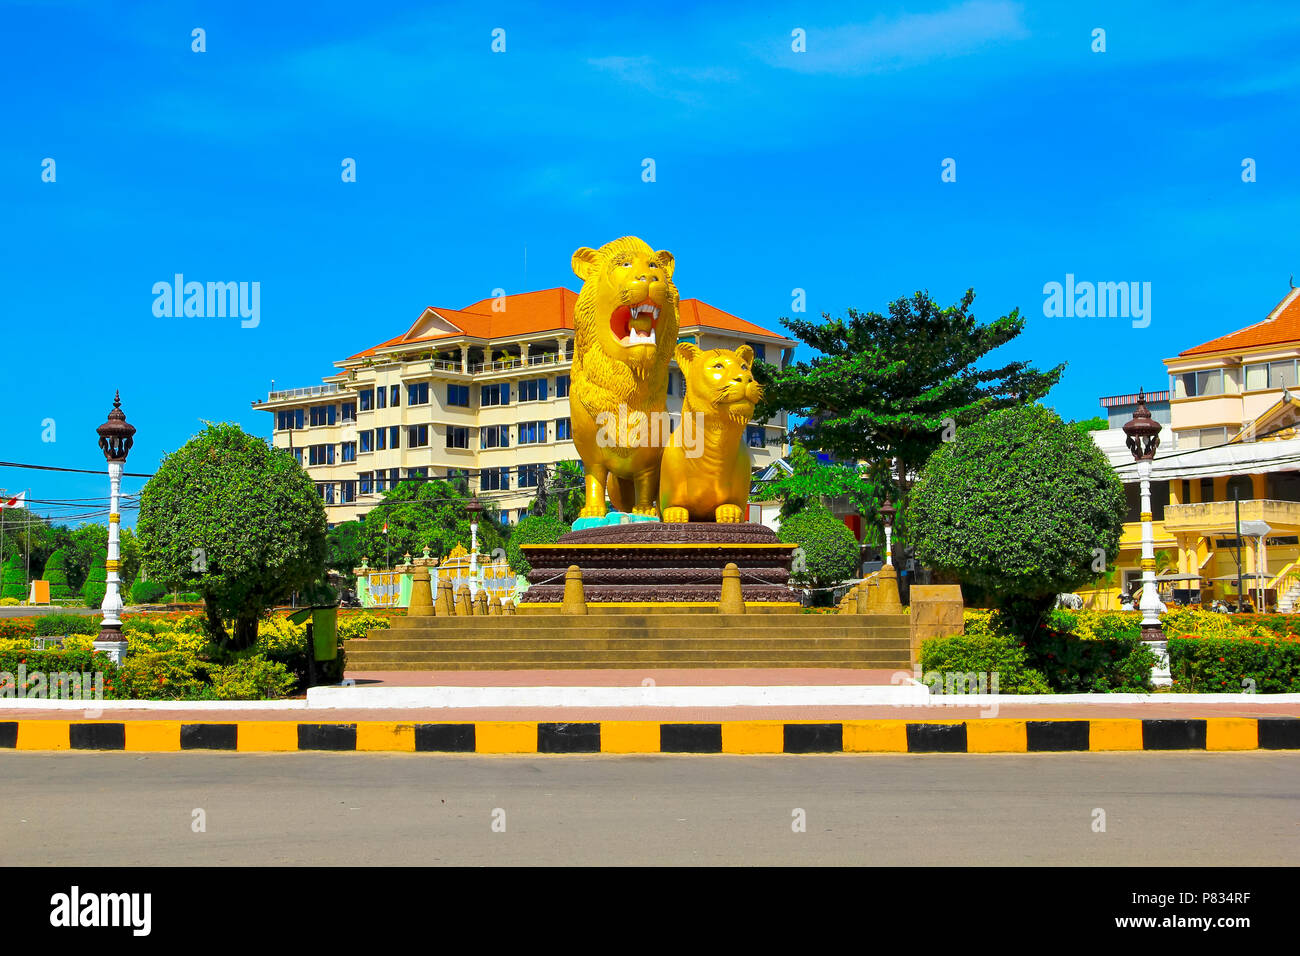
1143, 438
887, 511
475, 508
115, 440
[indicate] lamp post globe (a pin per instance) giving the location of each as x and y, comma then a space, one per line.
1142, 436
116, 436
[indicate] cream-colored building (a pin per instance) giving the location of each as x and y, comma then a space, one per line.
480, 393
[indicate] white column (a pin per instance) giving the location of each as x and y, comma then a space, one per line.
889, 551
1149, 603
112, 606
473, 558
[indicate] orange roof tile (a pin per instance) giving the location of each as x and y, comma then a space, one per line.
1281, 325
546, 310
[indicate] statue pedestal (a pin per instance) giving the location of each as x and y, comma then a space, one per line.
653, 566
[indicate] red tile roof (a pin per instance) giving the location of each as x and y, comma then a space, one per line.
528, 313
1281, 325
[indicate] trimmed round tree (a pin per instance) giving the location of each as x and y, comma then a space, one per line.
56, 572
96, 586
235, 520
13, 579
829, 553
1021, 505
534, 529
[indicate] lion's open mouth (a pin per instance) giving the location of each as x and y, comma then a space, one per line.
635, 324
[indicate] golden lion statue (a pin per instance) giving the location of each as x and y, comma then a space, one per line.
705, 473
626, 327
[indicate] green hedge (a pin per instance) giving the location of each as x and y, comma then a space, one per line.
982, 653
147, 592
1227, 664
55, 662
93, 591
13, 579
56, 625
56, 572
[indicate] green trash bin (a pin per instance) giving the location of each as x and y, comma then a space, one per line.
325, 622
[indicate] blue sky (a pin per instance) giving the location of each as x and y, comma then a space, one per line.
775, 170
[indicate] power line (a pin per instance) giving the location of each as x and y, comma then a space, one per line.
81, 471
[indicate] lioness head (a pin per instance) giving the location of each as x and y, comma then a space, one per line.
628, 301
720, 380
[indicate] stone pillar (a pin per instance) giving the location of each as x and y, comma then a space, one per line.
1259, 486
463, 602
868, 592
575, 601
464, 359
1149, 603
481, 603
507, 606
494, 609
444, 606
732, 600
110, 639
887, 601
421, 595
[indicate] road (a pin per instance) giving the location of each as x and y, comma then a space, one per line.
399, 809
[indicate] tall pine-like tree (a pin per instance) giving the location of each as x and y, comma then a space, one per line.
889, 389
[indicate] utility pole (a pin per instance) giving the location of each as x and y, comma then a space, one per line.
1236, 497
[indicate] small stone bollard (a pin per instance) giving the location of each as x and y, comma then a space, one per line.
887, 601
421, 595
508, 606
463, 608
481, 603
494, 609
732, 599
444, 606
575, 601
867, 593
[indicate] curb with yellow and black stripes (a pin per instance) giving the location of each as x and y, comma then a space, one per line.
658, 737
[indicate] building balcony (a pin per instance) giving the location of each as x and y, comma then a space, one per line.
1221, 516
311, 391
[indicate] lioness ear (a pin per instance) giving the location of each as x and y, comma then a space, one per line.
585, 263
665, 259
746, 355
686, 354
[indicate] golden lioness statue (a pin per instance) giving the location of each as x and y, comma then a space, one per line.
626, 326
705, 473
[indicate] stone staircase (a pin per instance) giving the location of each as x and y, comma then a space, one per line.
660, 640
1286, 602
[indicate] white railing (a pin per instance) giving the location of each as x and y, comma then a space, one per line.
545, 358
303, 392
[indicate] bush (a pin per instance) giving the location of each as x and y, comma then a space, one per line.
166, 675
1019, 505
13, 579
1226, 664
358, 625
56, 572
984, 652
1100, 665
830, 552
56, 625
9, 602
252, 678
61, 661
147, 592
534, 529
96, 586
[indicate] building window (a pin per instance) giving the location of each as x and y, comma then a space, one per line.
563, 429
458, 396
1239, 488
1207, 489
323, 414
320, 455
530, 475
381, 439
489, 395
417, 436
754, 437
417, 474
457, 437
561, 386
460, 478
394, 436
494, 436
349, 411
365, 482
417, 393
289, 418
532, 433
395, 396
297, 453
380, 482
760, 350
1209, 382
366, 399
381, 397
394, 477
367, 439
494, 479
347, 492
327, 492
349, 451
532, 390
1271, 375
